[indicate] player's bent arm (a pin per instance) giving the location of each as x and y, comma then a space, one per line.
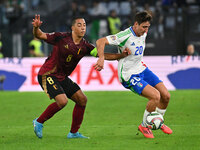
111, 56
100, 43
39, 34
36, 28
100, 48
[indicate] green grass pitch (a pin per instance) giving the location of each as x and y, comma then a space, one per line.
111, 121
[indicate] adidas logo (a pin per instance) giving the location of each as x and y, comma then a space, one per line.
133, 44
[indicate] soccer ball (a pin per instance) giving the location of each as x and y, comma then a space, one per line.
154, 120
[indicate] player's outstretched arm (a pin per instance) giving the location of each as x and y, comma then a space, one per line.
36, 28
111, 56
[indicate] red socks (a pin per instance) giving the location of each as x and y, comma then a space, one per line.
49, 112
77, 118
53, 108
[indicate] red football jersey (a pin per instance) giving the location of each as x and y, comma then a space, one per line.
65, 55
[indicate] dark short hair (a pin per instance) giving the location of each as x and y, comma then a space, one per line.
143, 16
75, 18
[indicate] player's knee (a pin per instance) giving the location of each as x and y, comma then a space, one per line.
156, 96
166, 97
62, 103
83, 100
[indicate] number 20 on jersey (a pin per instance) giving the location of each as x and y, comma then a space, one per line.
139, 50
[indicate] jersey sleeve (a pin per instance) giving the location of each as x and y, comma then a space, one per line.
113, 39
54, 38
90, 47
118, 38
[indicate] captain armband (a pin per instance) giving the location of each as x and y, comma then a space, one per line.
94, 52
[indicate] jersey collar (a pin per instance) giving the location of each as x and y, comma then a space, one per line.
132, 31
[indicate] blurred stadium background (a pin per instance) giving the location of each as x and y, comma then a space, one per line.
175, 24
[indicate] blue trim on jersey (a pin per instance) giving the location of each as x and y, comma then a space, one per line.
132, 31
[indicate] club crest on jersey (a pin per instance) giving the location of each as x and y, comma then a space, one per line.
140, 84
113, 37
66, 46
133, 44
79, 51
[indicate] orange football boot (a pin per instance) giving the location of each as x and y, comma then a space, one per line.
166, 129
146, 131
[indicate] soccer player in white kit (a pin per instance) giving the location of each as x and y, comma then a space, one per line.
133, 72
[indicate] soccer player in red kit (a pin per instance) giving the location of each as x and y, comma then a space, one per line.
69, 48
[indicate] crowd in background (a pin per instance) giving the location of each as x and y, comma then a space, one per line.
104, 17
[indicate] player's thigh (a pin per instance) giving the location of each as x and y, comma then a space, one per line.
51, 86
69, 87
61, 100
74, 92
151, 78
136, 84
165, 95
79, 98
151, 93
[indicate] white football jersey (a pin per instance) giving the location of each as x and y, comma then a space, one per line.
132, 64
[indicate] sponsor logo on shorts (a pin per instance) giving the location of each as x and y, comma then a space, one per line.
55, 86
140, 84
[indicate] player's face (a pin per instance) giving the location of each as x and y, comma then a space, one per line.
142, 28
79, 28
